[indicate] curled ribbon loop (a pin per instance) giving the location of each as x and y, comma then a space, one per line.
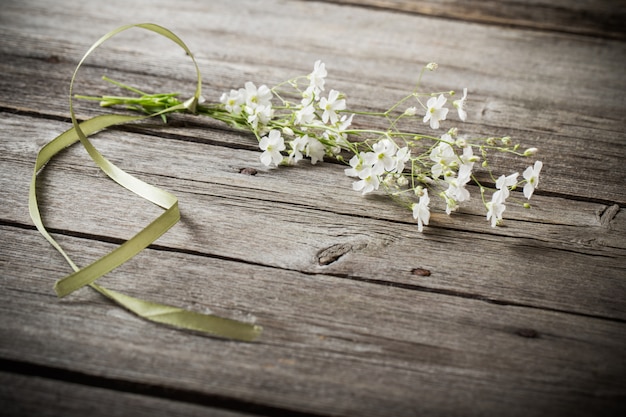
206, 323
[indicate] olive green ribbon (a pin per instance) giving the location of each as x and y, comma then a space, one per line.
173, 316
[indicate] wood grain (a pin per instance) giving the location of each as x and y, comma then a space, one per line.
350, 347
507, 89
229, 214
593, 18
22, 395
362, 315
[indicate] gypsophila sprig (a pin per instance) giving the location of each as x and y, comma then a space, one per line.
301, 118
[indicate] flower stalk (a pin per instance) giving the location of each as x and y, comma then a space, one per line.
297, 119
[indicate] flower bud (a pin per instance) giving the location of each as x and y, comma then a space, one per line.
432, 66
530, 151
411, 111
389, 180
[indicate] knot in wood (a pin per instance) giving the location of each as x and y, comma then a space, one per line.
333, 253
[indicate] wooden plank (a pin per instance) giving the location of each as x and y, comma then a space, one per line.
362, 315
564, 152
508, 91
275, 218
602, 18
22, 395
331, 346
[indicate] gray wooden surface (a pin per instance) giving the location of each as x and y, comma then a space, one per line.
528, 319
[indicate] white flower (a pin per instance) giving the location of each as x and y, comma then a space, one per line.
421, 211
305, 115
435, 111
272, 145
315, 150
331, 106
381, 159
368, 183
468, 157
456, 191
460, 106
531, 175
402, 157
297, 147
317, 78
451, 203
260, 114
496, 207
308, 97
503, 182
356, 164
340, 136
254, 96
465, 170
444, 157
233, 101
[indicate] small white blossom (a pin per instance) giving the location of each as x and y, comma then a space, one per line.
435, 111
331, 106
503, 182
496, 207
531, 175
297, 147
402, 157
381, 159
315, 150
305, 115
368, 183
317, 78
444, 157
356, 166
340, 136
254, 96
465, 170
421, 212
456, 192
460, 106
259, 115
233, 101
272, 145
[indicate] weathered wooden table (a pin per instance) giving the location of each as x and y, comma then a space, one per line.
362, 315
